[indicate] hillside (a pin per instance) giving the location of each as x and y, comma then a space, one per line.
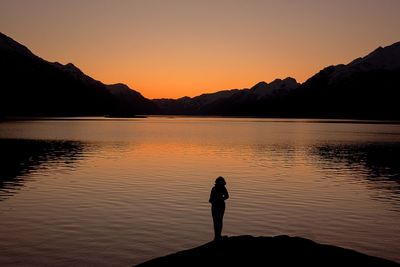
32, 86
366, 88
221, 102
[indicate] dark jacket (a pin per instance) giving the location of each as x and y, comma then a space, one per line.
218, 194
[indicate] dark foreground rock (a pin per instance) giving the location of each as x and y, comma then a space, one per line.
267, 251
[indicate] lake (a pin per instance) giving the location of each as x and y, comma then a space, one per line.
117, 192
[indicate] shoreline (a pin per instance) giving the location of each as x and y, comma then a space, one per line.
263, 119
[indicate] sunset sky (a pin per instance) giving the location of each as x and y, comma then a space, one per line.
174, 48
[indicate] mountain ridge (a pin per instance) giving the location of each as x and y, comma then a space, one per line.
204, 103
32, 86
366, 88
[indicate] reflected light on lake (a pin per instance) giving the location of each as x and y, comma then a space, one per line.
118, 192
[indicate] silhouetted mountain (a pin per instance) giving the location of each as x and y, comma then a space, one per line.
267, 251
31, 86
367, 87
227, 101
130, 101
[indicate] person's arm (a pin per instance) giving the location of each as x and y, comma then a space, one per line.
226, 194
211, 195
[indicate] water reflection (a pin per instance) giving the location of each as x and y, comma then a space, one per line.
127, 191
380, 161
20, 157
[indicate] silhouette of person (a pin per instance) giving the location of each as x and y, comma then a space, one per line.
217, 199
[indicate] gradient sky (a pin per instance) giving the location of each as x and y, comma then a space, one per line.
173, 48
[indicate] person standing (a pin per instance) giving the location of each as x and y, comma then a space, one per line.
218, 195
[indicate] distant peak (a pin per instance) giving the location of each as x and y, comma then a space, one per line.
286, 81
72, 68
7, 43
262, 83
2, 36
387, 57
119, 86
396, 44
276, 80
70, 65
290, 79
376, 51
278, 85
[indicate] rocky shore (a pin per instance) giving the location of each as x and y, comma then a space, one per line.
267, 251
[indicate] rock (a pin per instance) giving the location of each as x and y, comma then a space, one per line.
267, 251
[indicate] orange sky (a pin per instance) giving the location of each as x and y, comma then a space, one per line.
173, 48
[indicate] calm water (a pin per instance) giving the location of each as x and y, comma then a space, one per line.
118, 192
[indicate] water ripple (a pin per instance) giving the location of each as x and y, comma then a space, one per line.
100, 193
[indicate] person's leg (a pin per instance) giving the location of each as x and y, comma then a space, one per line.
215, 216
222, 212
218, 214
220, 220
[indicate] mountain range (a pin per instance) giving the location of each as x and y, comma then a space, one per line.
228, 102
366, 88
32, 86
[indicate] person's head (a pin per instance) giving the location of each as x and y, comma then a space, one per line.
220, 181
